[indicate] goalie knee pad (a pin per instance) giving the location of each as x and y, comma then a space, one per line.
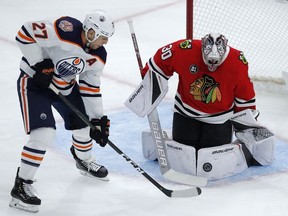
221, 161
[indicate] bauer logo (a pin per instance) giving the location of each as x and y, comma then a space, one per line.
70, 66
136, 93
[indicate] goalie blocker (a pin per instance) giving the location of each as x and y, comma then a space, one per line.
254, 146
148, 94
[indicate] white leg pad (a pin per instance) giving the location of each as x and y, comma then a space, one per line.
263, 151
260, 142
221, 161
182, 158
148, 145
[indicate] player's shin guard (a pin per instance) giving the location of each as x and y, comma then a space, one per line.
82, 143
33, 152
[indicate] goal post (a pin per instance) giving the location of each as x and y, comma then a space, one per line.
189, 18
256, 27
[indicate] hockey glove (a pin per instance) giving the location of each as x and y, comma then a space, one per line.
44, 73
101, 134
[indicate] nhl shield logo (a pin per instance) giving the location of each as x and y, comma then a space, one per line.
193, 69
66, 26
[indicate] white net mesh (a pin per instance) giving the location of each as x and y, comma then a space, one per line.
259, 28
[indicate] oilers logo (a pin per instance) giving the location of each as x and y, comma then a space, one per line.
70, 66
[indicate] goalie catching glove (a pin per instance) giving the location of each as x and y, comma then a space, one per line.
101, 134
44, 73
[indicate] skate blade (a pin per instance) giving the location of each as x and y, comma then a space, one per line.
84, 173
15, 203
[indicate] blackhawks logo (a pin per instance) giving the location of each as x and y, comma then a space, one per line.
205, 89
187, 44
242, 58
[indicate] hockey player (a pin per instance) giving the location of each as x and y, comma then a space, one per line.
213, 86
56, 53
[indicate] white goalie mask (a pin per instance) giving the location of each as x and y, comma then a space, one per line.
214, 50
100, 22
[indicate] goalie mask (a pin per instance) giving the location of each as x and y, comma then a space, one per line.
100, 22
214, 50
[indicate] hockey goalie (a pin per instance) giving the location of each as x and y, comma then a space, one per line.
215, 132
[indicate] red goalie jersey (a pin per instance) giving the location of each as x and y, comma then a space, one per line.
208, 96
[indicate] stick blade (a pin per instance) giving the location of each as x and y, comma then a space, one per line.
183, 178
191, 192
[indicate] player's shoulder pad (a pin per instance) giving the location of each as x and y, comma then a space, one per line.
100, 52
69, 29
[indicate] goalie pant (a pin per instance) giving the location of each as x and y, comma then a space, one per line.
254, 146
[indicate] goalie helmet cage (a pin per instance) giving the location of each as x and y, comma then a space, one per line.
256, 27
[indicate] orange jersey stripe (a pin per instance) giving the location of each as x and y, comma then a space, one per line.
25, 37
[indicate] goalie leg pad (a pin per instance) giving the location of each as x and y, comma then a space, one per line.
260, 142
221, 161
148, 146
263, 151
182, 158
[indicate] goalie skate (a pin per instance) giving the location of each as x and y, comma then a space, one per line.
23, 195
90, 168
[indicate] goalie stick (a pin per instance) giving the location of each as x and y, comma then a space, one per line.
190, 192
159, 138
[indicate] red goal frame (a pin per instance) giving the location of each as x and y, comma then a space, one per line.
189, 19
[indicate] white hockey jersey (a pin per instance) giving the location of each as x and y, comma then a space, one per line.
61, 42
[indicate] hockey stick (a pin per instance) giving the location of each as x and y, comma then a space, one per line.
158, 136
191, 192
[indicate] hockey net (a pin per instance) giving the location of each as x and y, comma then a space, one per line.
256, 27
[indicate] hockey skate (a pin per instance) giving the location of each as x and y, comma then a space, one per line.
90, 168
23, 195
